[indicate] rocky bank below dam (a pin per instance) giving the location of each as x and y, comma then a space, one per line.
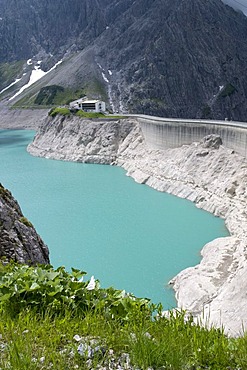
207, 173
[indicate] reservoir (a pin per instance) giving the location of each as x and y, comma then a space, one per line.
95, 218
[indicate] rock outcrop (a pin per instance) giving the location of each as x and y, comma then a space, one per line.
207, 173
18, 239
74, 139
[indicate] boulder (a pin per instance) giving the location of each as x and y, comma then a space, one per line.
212, 141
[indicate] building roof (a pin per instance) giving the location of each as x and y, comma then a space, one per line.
84, 101
90, 101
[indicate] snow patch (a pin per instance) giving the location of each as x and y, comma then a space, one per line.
57, 64
13, 83
221, 87
104, 77
36, 75
110, 72
100, 66
29, 62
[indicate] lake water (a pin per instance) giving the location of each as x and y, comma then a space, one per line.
95, 218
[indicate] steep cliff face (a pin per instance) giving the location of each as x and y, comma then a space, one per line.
191, 61
75, 139
18, 239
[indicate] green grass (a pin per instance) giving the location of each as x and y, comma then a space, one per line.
26, 102
42, 310
47, 94
48, 97
80, 113
25, 221
59, 110
57, 95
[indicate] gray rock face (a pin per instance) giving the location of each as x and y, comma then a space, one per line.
214, 290
18, 239
22, 118
74, 139
170, 58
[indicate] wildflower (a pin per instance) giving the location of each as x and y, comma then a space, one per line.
148, 335
91, 284
77, 338
85, 350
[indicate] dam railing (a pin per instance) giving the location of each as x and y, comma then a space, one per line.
164, 133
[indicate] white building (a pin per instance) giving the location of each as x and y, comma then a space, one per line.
88, 105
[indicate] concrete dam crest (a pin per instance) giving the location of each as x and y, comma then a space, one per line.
165, 133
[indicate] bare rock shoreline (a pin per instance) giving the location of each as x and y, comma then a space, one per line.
30, 119
213, 177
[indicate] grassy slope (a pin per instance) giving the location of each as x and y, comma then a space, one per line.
42, 310
78, 75
9, 72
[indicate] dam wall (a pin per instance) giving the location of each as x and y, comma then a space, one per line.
164, 133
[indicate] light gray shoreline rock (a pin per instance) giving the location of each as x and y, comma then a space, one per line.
21, 118
211, 176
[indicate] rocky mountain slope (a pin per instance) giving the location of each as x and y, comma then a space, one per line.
18, 239
172, 58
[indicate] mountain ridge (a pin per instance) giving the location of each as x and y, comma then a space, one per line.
168, 58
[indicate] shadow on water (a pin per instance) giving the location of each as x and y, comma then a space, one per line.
13, 140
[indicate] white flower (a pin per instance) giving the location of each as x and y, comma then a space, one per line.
85, 350
91, 284
77, 337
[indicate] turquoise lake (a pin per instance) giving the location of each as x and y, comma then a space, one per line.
95, 218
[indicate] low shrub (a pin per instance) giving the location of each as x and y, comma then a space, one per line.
25, 221
228, 90
59, 110
45, 288
81, 113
